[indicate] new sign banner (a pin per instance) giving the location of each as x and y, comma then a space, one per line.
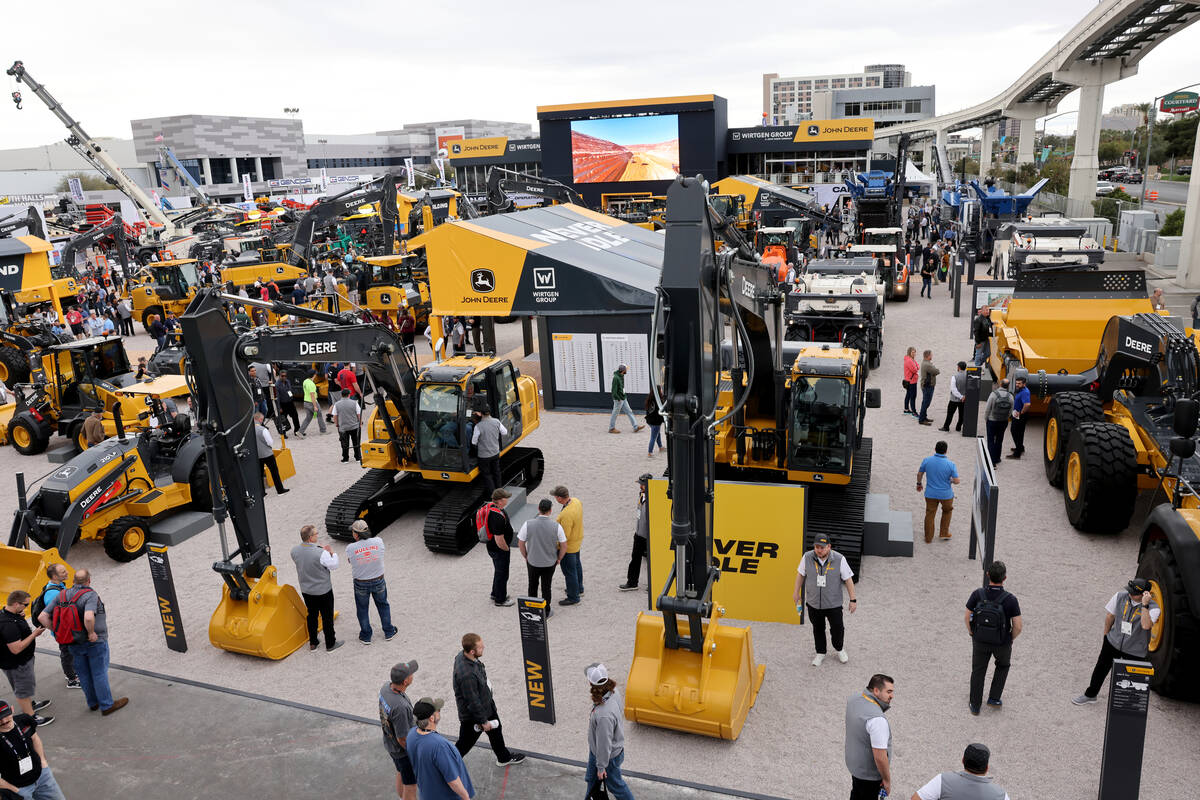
168, 603
535, 653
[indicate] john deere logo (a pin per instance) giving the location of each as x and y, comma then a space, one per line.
483, 281
814, 130
455, 148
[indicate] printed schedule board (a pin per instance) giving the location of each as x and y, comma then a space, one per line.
758, 541
579, 355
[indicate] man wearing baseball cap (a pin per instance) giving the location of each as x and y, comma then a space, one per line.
24, 770
971, 783
397, 718
820, 577
641, 537
1128, 618
365, 555
606, 735
441, 773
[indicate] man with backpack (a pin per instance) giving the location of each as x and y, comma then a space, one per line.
495, 530
79, 620
993, 619
42, 604
16, 654
996, 415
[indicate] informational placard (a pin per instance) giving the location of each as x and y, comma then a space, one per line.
535, 653
247, 192
758, 541
576, 363
632, 350
168, 603
993, 294
1125, 730
985, 499
76, 188
408, 168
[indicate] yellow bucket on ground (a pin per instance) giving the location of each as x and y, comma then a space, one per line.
26, 570
268, 624
709, 693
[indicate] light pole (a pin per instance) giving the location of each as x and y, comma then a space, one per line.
1056, 116
1150, 120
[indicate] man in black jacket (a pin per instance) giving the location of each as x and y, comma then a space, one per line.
477, 712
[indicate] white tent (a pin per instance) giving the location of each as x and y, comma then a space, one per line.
912, 175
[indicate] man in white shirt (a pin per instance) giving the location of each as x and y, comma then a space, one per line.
543, 542
1128, 618
869, 738
313, 565
958, 391
972, 783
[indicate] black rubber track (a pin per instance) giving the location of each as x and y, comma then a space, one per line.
837, 511
1108, 483
1068, 409
348, 505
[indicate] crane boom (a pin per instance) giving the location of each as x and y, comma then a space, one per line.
90, 149
166, 157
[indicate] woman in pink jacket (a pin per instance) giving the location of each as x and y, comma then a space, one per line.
912, 372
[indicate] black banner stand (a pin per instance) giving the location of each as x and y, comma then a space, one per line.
1125, 730
535, 649
164, 592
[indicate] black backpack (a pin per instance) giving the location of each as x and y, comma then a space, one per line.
989, 623
39, 605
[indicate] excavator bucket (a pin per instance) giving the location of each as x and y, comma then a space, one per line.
26, 569
268, 624
709, 693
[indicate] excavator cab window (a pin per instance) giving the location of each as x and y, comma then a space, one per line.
441, 432
819, 426
509, 402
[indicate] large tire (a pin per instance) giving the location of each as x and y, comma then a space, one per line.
125, 539
1100, 477
1067, 411
152, 310
795, 333
14, 368
1174, 649
26, 436
201, 490
857, 340
76, 435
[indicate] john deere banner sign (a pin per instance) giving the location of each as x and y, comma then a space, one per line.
758, 541
1180, 102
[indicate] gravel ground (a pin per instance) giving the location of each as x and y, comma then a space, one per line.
909, 624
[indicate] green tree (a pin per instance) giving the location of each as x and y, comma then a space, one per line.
966, 166
1027, 174
90, 181
1058, 170
1173, 224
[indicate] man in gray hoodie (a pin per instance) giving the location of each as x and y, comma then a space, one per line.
606, 735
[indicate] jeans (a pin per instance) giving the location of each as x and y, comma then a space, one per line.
540, 576
982, 351
347, 438
926, 399
320, 606
364, 591
980, 655
572, 570
837, 628
910, 397
500, 563
1018, 434
46, 787
634, 573
926, 285
311, 410
621, 407
91, 664
995, 438
931, 507
655, 437
617, 787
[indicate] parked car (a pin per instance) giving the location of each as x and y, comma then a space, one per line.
1183, 170
1111, 173
1131, 177
1104, 188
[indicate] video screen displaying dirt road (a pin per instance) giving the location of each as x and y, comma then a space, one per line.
625, 149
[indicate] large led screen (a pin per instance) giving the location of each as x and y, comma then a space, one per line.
625, 149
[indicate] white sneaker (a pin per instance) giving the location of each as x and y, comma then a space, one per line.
817, 659
842, 657
1084, 700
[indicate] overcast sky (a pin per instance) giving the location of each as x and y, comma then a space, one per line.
358, 66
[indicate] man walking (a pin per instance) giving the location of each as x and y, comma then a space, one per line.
869, 739
440, 770
397, 719
820, 577
971, 783
942, 474
347, 416
499, 546
57, 575
365, 555
266, 453
570, 517
1128, 618
91, 644
958, 392
1019, 417
543, 544
981, 332
620, 402
641, 537
312, 403
996, 413
16, 654
313, 565
477, 713
486, 439
928, 378
993, 620
287, 403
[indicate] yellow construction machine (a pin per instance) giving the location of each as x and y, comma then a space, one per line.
27, 281
163, 287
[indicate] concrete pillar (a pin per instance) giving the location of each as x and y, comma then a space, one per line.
206, 170
1025, 144
1086, 162
233, 170
258, 176
927, 157
940, 145
1188, 274
986, 143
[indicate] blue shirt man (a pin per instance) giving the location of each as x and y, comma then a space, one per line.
942, 474
441, 773
1020, 414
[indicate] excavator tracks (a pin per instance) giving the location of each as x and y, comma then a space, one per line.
355, 502
837, 511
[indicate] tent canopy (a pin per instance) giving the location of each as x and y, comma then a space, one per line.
557, 260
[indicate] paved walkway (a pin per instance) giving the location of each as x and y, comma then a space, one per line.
181, 741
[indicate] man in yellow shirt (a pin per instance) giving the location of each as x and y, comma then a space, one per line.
570, 517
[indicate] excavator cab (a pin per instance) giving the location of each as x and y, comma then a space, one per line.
821, 435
